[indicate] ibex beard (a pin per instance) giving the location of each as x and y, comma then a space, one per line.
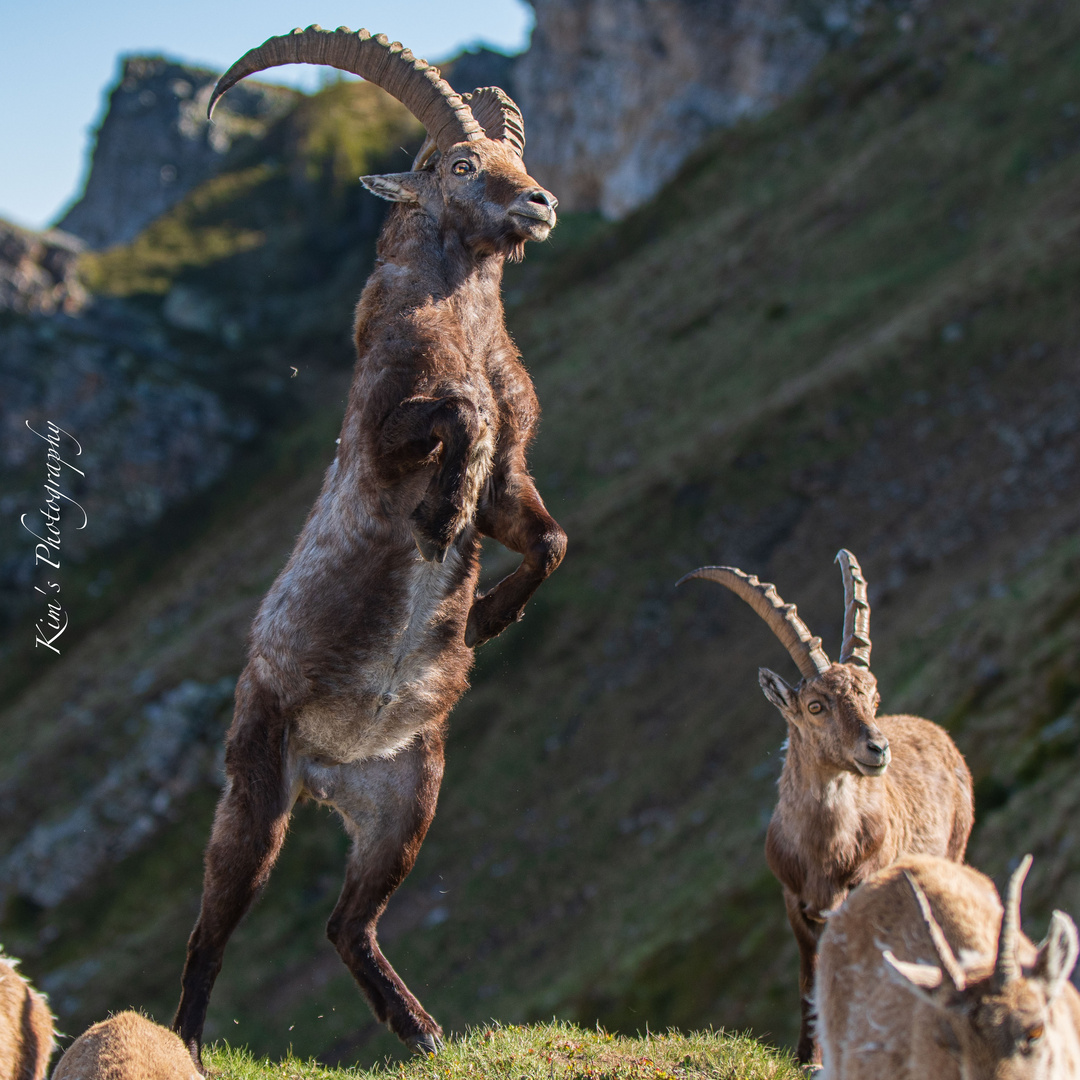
363, 644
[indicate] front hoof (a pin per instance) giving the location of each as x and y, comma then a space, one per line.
487, 621
429, 550
425, 1044
472, 633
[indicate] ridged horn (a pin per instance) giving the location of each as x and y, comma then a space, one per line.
1007, 965
494, 110
855, 648
781, 618
950, 965
415, 83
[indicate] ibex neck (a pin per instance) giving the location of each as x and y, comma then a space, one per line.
440, 259
806, 776
468, 268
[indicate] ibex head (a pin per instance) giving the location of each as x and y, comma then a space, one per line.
1000, 1017
834, 705
469, 174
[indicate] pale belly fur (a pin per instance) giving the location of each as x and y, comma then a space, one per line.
395, 695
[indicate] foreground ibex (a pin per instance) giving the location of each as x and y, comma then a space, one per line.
362, 646
26, 1026
843, 811
923, 977
127, 1046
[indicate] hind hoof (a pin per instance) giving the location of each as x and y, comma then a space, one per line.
425, 1044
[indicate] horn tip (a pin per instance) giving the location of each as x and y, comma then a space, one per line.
710, 573
1021, 871
699, 572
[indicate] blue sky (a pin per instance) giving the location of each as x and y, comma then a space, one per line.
58, 59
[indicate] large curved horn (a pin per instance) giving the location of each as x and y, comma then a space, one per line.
494, 110
1007, 965
415, 83
782, 619
855, 648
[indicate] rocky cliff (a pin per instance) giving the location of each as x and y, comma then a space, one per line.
617, 93
37, 271
155, 144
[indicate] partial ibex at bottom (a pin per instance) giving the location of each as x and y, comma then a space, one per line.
127, 1046
844, 812
923, 977
26, 1026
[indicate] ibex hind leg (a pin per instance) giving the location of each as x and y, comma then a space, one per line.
249, 828
387, 805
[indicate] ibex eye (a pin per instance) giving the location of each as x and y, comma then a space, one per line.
462, 168
1035, 1032
814, 707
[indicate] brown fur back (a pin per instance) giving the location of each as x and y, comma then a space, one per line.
26, 1027
126, 1047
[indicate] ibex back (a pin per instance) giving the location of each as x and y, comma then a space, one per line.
362, 646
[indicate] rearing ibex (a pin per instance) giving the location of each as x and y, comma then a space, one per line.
844, 812
363, 644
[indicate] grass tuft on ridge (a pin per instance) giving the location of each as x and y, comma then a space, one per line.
542, 1052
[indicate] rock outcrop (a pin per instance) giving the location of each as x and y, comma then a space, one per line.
151, 436
139, 794
617, 93
37, 271
155, 144
480, 67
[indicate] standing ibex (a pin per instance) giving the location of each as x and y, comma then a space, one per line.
923, 977
363, 644
843, 812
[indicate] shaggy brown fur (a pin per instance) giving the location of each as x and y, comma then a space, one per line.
363, 644
844, 811
26, 1027
126, 1047
887, 1005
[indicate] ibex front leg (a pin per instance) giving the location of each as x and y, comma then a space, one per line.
807, 933
449, 433
517, 518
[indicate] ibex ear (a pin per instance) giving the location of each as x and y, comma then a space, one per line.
779, 693
1057, 954
921, 979
405, 187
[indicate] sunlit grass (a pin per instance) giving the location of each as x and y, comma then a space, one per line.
542, 1052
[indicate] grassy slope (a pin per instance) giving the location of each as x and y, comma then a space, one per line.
546, 1051
847, 324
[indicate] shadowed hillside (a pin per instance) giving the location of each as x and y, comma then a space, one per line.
851, 323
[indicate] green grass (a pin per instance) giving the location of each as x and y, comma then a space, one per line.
542, 1052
